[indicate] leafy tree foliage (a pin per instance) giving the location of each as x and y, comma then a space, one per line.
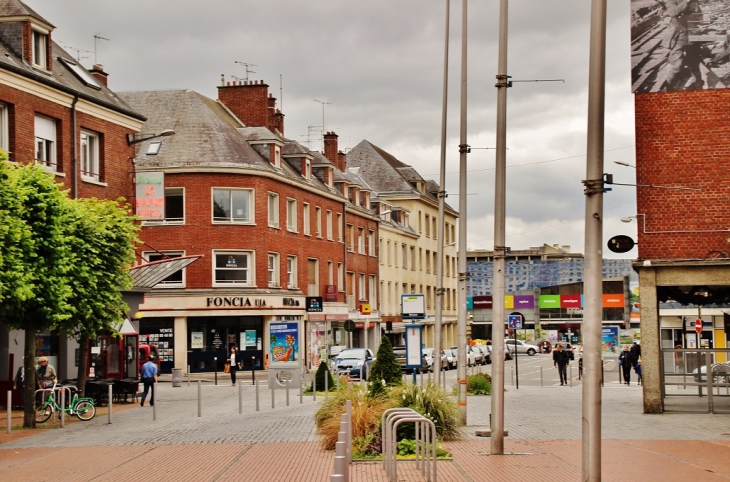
385, 368
62, 262
323, 372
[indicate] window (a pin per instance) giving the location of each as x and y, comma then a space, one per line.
307, 169
330, 273
273, 269
90, 155
372, 292
40, 41
175, 280
404, 256
446, 234
420, 259
4, 131
381, 258
448, 266
291, 272
174, 205
291, 215
419, 222
153, 148
413, 258
45, 142
232, 205
387, 251
277, 156
428, 225
371, 243
339, 227
340, 277
312, 277
361, 240
351, 235
305, 219
428, 261
361, 287
273, 210
233, 268
318, 215
329, 225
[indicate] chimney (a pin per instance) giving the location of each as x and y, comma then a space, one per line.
97, 71
330, 151
249, 101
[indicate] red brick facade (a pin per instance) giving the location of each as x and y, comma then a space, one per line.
252, 104
682, 141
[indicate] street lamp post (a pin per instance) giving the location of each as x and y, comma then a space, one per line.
133, 139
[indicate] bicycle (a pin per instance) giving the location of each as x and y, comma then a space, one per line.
83, 408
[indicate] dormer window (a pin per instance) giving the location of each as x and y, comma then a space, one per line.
307, 169
277, 156
40, 48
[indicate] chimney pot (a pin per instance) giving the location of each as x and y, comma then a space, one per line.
223, 79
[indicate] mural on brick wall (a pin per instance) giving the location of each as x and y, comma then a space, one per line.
679, 45
522, 275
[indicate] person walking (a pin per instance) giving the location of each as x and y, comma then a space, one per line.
635, 351
683, 58
560, 360
235, 364
637, 369
149, 378
46, 374
626, 361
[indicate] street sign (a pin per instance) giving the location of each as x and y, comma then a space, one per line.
349, 326
621, 244
698, 326
514, 322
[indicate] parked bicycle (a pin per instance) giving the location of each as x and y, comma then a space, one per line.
83, 408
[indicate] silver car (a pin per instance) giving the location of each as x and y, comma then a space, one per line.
521, 347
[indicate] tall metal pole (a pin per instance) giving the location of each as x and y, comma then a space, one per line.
442, 201
463, 150
500, 181
593, 285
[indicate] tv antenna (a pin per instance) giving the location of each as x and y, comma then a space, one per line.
98, 37
245, 66
323, 104
78, 52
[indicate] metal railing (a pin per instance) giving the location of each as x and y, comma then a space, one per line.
688, 385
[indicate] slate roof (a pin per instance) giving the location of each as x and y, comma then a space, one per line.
16, 8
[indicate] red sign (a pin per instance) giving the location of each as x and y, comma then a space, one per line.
698, 326
570, 301
330, 292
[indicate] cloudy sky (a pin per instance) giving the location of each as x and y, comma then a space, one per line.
379, 65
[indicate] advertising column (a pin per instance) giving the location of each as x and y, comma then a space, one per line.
285, 353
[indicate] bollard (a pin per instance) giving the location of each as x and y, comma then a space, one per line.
341, 466
63, 405
253, 370
570, 373
200, 401
287, 392
215, 368
10, 411
314, 388
240, 398
348, 411
188, 375
109, 413
337, 478
154, 399
257, 396
301, 388
273, 402
512, 376
541, 377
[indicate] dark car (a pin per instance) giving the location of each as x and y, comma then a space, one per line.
351, 361
567, 348
400, 355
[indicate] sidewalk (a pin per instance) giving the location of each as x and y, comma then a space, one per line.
544, 435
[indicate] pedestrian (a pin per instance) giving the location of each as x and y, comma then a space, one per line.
149, 378
234, 363
635, 351
637, 369
19, 380
46, 374
626, 361
683, 58
560, 360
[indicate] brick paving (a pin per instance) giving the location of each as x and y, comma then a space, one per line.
281, 443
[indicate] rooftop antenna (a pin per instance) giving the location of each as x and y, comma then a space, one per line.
281, 92
78, 52
323, 104
98, 37
246, 66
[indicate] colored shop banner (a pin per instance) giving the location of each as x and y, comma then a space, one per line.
482, 302
509, 302
469, 302
609, 339
613, 300
284, 343
570, 301
549, 301
524, 302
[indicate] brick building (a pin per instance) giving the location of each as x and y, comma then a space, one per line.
280, 229
55, 112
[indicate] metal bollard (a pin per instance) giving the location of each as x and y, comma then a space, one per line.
253, 370
10, 411
188, 375
273, 402
215, 368
287, 392
63, 405
240, 398
154, 399
348, 411
301, 388
257, 396
541, 379
200, 401
109, 413
341, 466
337, 478
570, 373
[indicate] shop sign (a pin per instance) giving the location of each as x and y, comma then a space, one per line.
482, 302
365, 309
150, 195
235, 301
196, 339
330, 292
314, 304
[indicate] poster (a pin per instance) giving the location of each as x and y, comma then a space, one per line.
284, 343
552, 336
609, 336
196, 339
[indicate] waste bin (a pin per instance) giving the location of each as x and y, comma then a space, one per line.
177, 377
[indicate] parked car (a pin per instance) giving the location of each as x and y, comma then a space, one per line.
486, 352
567, 347
478, 355
509, 351
470, 356
522, 347
428, 355
450, 358
720, 373
351, 361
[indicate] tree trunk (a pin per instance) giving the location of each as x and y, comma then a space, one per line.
30, 380
83, 367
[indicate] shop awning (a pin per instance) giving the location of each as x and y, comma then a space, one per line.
147, 275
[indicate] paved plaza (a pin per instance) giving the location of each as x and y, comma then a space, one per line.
544, 441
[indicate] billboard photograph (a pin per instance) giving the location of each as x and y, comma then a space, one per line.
679, 45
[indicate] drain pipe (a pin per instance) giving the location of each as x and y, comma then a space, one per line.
75, 158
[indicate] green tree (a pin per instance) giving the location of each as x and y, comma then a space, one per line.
323, 372
385, 369
52, 262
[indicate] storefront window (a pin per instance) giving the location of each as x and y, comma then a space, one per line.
211, 338
160, 333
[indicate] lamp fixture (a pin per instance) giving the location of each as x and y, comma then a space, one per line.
132, 139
